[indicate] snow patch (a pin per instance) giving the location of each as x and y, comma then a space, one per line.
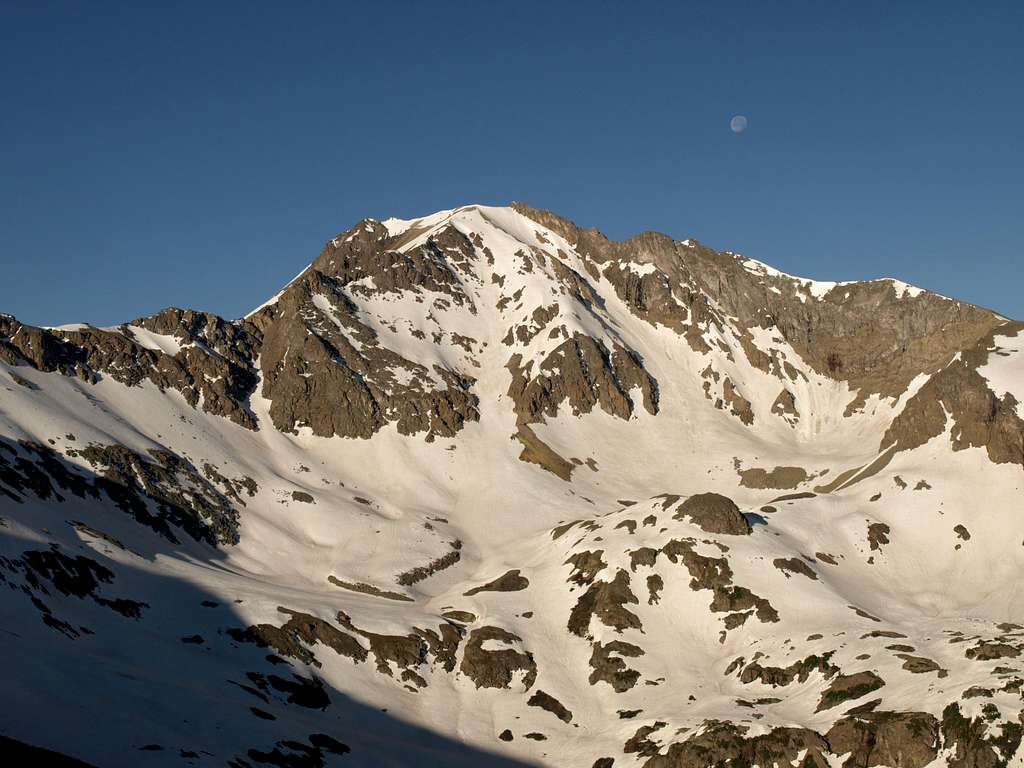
169, 345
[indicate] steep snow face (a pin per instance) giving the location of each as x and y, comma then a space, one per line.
485, 488
1005, 368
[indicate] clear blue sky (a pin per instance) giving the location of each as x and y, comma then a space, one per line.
198, 156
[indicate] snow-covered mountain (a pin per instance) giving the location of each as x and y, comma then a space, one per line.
486, 488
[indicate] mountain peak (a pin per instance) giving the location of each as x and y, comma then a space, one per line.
491, 460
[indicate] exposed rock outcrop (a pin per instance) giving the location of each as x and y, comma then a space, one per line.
714, 513
979, 418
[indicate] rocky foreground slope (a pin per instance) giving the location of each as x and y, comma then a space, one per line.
485, 488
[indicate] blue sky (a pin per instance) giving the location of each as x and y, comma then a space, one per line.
199, 156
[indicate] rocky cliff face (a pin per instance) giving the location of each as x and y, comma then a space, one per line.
486, 487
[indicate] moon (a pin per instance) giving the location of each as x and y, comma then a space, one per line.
738, 124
